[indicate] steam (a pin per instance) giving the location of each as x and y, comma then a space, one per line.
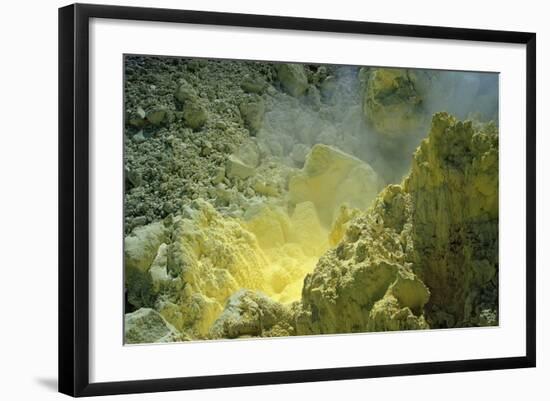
331, 113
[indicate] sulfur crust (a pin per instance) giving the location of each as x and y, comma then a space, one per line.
332, 255
257, 201
270, 248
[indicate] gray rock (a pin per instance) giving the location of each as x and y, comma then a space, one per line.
140, 112
251, 313
314, 97
159, 267
328, 87
252, 112
133, 177
147, 326
140, 249
236, 168
139, 221
139, 137
137, 118
157, 115
185, 92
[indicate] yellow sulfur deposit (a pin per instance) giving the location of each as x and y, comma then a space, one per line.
270, 248
267, 251
291, 244
330, 178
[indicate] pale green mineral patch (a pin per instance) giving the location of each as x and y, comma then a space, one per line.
392, 103
148, 326
249, 313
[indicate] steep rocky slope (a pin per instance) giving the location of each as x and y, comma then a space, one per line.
454, 189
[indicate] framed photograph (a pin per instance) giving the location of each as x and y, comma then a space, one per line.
250, 199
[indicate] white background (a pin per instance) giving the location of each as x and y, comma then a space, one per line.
28, 172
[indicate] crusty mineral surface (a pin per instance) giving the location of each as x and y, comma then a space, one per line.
453, 185
253, 314
265, 199
392, 101
366, 283
330, 178
145, 325
426, 252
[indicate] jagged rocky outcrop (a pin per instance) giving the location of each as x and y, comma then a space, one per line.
330, 178
253, 314
453, 186
367, 283
426, 253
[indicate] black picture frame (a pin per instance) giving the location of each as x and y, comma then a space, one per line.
74, 198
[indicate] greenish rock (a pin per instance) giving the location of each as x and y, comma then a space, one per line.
140, 247
140, 112
366, 283
185, 92
253, 314
425, 254
252, 112
159, 268
330, 178
293, 78
236, 168
340, 297
249, 153
139, 289
139, 137
328, 87
133, 177
157, 115
194, 114
146, 325
253, 85
196, 64
313, 97
299, 154
140, 250
320, 74
388, 315
392, 102
219, 175
137, 119
139, 221
410, 291
454, 187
